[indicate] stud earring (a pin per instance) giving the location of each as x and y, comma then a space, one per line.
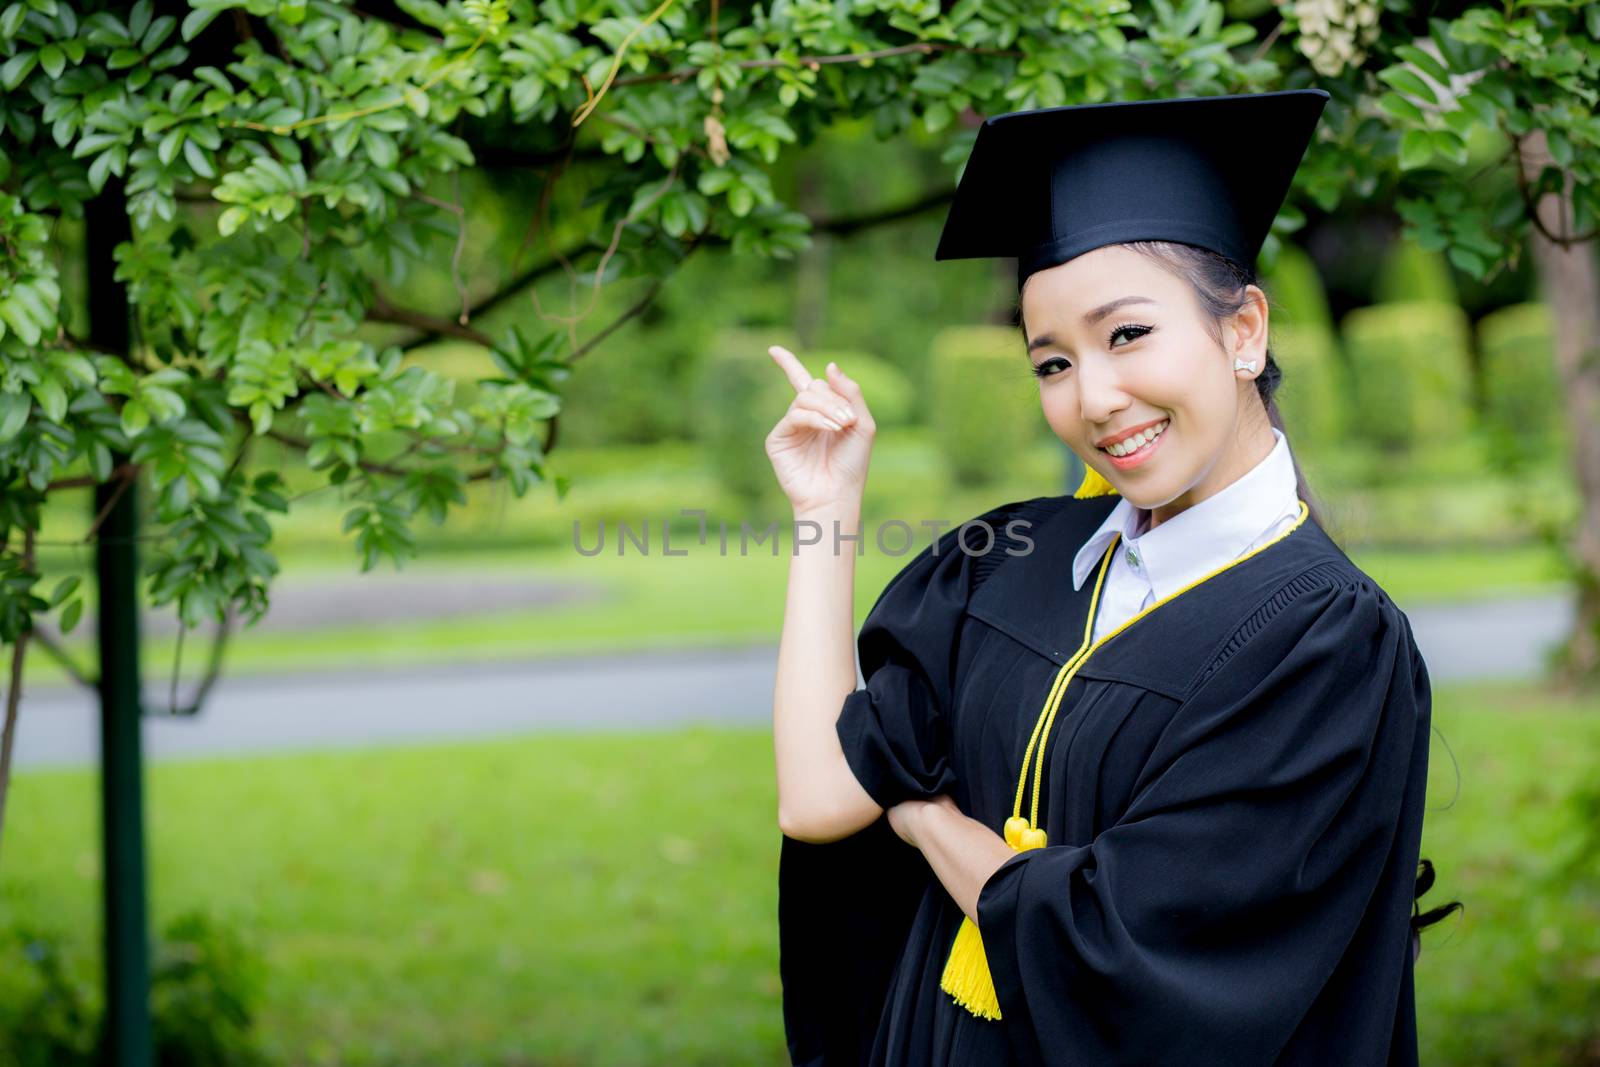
1239, 364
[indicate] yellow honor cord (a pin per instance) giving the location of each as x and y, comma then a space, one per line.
966, 974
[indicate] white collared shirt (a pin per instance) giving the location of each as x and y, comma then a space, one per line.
1152, 564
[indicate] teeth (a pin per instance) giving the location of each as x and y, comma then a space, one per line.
1137, 441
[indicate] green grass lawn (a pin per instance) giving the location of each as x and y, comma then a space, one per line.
611, 900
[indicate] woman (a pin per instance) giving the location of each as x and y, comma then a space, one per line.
1153, 756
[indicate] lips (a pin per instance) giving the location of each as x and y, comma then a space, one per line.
1134, 449
1128, 443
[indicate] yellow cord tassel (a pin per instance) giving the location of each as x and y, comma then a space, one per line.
1093, 485
966, 973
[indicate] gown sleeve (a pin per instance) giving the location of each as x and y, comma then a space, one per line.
1201, 925
895, 730
845, 908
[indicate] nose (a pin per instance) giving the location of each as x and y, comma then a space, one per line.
1100, 393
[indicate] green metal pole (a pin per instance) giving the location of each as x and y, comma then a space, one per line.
127, 949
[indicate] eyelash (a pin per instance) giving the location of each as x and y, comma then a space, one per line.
1042, 371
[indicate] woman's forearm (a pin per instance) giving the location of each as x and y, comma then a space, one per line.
819, 798
963, 852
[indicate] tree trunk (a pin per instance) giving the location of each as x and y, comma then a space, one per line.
1570, 280
127, 1034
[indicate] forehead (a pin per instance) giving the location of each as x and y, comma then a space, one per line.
1094, 278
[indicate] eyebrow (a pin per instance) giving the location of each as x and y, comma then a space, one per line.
1044, 340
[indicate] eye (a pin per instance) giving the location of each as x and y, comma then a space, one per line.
1050, 367
1134, 328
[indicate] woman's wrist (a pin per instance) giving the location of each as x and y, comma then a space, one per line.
846, 509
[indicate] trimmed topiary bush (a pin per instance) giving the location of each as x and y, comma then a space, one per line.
984, 408
1521, 390
1295, 292
1408, 272
738, 395
1313, 396
887, 389
1410, 373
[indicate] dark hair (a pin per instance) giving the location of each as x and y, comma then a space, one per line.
1219, 286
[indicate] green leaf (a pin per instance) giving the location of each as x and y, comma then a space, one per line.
16, 69
197, 20
1417, 57
14, 408
198, 160
231, 219
1468, 261
1401, 108
70, 615
1416, 149
52, 398
52, 60
1447, 144
99, 170
167, 151
134, 418
15, 315
64, 588
1407, 82
380, 147
1560, 147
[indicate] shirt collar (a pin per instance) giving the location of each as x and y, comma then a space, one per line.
1200, 538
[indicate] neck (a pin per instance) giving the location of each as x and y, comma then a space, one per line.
1239, 459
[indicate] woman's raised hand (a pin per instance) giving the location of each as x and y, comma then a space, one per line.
820, 448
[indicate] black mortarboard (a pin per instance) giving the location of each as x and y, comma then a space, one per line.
1052, 183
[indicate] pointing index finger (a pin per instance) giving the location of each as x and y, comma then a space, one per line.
791, 366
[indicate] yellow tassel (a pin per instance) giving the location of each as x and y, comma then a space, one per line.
1093, 485
966, 974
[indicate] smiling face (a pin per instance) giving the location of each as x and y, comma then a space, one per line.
1127, 365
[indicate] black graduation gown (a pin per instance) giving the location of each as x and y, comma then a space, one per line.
1233, 794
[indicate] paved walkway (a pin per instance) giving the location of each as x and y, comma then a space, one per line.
645, 690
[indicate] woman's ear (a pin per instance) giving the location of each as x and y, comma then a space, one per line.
1248, 329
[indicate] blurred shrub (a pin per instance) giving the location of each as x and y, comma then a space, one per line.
1408, 272
203, 983
984, 406
886, 387
1522, 393
1295, 292
53, 1025
739, 393
633, 389
1312, 394
1410, 374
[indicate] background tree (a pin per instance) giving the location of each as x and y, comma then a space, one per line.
1411, 90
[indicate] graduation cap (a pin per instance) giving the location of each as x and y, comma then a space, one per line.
1052, 183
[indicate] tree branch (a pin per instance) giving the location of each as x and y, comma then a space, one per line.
46, 641
920, 47
130, 471
431, 328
